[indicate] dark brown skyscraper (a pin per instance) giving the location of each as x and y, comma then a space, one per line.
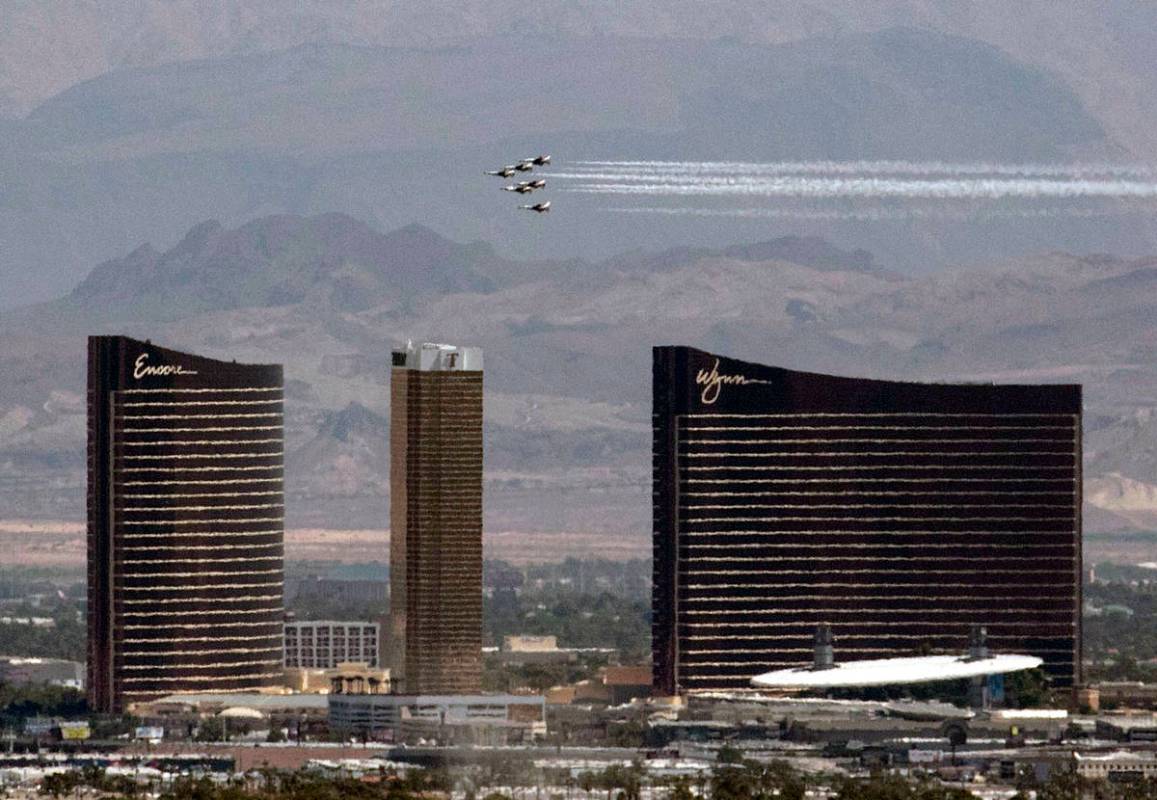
900, 513
185, 523
436, 519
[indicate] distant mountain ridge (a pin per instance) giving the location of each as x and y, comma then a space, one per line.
344, 263
284, 260
567, 418
398, 134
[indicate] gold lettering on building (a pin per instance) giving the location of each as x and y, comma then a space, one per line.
713, 382
143, 369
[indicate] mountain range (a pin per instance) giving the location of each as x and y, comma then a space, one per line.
568, 354
142, 122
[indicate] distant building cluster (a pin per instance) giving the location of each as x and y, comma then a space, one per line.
899, 516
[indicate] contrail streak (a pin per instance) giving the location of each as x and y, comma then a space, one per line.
928, 168
954, 189
876, 214
862, 180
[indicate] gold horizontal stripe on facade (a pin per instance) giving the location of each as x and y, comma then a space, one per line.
208, 573
882, 559
909, 586
852, 636
228, 390
684, 443
871, 467
698, 594
123, 508
214, 429
208, 612
215, 665
722, 506
689, 569
258, 468
198, 587
195, 495
201, 442
242, 521
859, 546
746, 481
877, 414
172, 403
882, 454
867, 615
875, 519
179, 639
195, 534
841, 532
168, 625
239, 687
200, 456
219, 482
180, 546
230, 415
246, 559
940, 428
869, 493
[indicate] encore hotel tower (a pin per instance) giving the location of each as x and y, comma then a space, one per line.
185, 524
436, 519
900, 513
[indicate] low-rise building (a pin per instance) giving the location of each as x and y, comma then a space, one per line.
526, 649
324, 644
349, 678
1128, 728
54, 671
478, 719
1126, 694
1123, 765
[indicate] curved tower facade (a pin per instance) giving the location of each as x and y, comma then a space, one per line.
900, 513
185, 523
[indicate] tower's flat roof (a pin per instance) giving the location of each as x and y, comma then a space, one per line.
891, 671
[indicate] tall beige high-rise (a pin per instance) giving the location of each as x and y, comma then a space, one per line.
436, 519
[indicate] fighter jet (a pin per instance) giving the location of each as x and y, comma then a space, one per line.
540, 208
525, 187
538, 161
525, 166
505, 172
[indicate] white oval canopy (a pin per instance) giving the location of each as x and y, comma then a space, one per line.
890, 671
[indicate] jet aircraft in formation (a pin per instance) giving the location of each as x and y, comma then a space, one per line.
525, 187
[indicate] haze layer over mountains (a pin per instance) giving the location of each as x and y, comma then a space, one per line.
122, 123
568, 354
339, 147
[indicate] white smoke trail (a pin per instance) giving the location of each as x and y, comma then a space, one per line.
954, 189
1074, 170
862, 180
878, 214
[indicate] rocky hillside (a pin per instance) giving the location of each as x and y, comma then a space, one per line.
568, 355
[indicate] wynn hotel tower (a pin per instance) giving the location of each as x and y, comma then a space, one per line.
436, 519
185, 523
901, 514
